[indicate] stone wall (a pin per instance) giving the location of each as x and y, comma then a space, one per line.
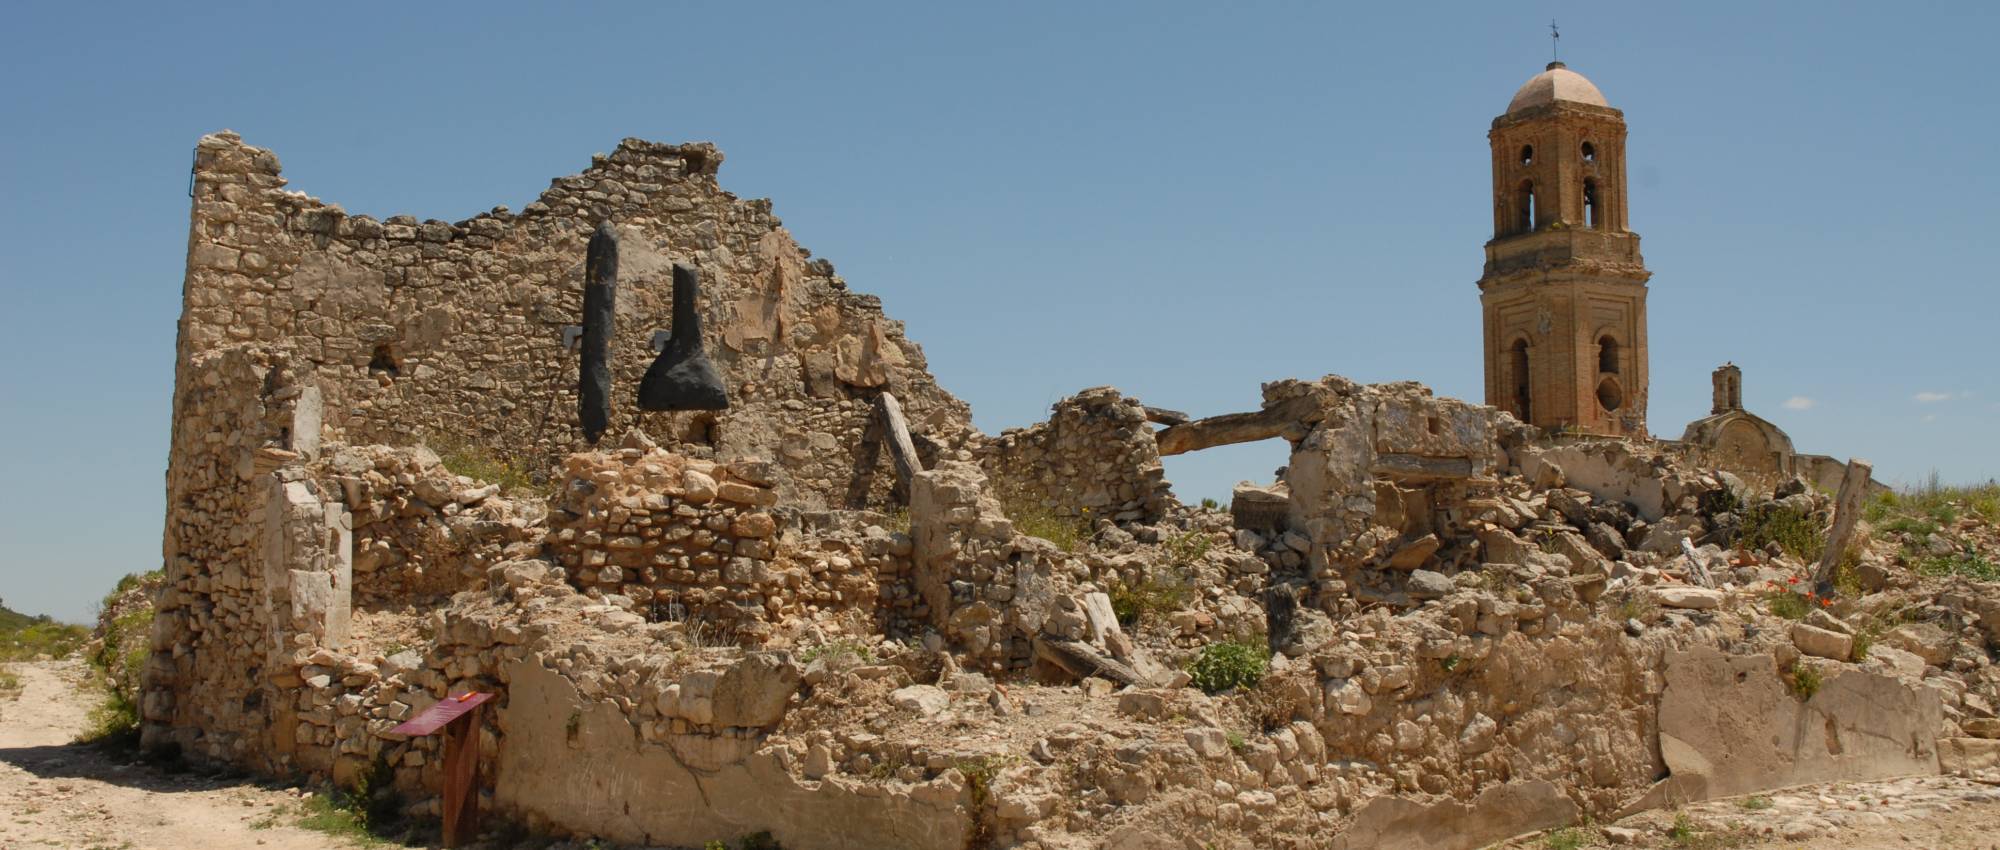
456, 332
422, 532
1096, 456
241, 414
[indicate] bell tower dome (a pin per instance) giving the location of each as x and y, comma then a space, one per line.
1563, 296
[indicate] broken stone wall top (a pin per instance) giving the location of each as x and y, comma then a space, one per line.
454, 332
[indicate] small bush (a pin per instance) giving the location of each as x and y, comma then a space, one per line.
1229, 664
1157, 596
112, 723
1187, 547
1683, 831
1799, 533
1786, 604
1755, 803
10, 684
1212, 505
1804, 681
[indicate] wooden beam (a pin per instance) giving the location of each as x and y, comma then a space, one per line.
1163, 416
1231, 428
902, 449
1847, 509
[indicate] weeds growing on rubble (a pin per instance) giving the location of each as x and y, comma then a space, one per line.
1799, 533
1804, 681
1229, 664
1967, 563
513, 474
1032, 518
1158, 595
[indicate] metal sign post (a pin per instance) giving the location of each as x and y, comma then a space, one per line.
458, 717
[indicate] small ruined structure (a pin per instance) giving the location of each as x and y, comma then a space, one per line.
1563, 298
796, 592
1735, 438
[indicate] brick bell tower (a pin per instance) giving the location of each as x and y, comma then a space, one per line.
1563, 299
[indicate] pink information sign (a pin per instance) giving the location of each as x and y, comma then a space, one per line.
445, 711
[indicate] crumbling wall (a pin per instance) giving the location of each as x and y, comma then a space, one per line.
1381, 469
697, 541
251, 557
983, 586
422, 532
1094, 457
456, 332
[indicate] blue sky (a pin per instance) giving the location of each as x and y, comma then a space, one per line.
1182, 200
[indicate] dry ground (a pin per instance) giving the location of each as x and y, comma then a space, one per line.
58, 794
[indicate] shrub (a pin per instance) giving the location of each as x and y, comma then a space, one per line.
1798, 533
1230, 664
1786, 604
1160, 594
1804, 681
1755, 803
1187, 547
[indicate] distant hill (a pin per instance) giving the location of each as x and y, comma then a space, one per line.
25, 638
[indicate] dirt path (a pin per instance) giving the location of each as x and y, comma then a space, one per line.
56, 794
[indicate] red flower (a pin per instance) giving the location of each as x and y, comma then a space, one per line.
1792, 580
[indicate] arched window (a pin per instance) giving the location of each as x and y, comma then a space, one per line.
1518, 369
1607, 354
1524, 207
1593, 215
1527, 154
1589, 152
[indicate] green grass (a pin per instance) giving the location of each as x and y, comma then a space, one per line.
1035, 519
1567, 838
1754, 804
1228, 665
513, 474
10, 684
1967, 563
1934, 503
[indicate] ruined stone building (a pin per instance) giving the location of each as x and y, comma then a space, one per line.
837, 613
1563, 298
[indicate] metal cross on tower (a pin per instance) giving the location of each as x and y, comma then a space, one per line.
1555, 40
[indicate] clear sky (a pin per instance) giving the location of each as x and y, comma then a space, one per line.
1182, 200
